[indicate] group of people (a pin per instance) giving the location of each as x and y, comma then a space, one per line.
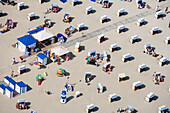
21, 106
14, 62
157, 78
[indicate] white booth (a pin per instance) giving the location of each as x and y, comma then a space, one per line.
99, 87
154, 30
103, 19
141, 68
21, 87
31, 16
2, 89
9, 92
126, 57
26, 42
136, 85
74, 2
134, 39
90, 108
12, 84
113, 47
80, 27
167, 40
158, 14
112, 97
101, 38
20, 6
120, 12
162, 109
77, 47
88, 10
140, 22
149, 97
162, 61
42, 58
121, 28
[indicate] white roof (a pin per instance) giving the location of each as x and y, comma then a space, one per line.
134, 37
121, 10
126, 55
121, 27
138, 83
91, 106
59, 50
22, 67
81, 25
21, 4
150, 95
103, 17
106, 64
159, 13
147, 45
141, 20
75, 0
142, 66
89, 8
31, 14
120, 74
77, 44
155, 28
113, 46
89, 73
113, 96
102, 35
168, 38
162, 107
163, 59
43, 35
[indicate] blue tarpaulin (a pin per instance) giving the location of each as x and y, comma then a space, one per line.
27, 40
93, 0
64, 1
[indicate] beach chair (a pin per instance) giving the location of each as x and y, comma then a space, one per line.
136, 85
31, 16
20, 6
21, 69
138, 1
66, 18
146, 47
141, 68
106, 67
140, 22
159, 0
54, 8
21, 105
167, 40
90, 108
10, 23
163, 61
88, 77
41, 1
47, 22
120, 12
154, 30
158, 14
129, 109
105, 4
74, 2
103, 19
69, 30
149, 97
77, 94
162, 109
77, 47
80, 27
99, 88
112, 97
121, 28
134, 39
32, 111
88, 10
101, 38
113, 47
126, 57
1, 13
121, 77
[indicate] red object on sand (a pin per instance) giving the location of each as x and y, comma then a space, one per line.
39, 82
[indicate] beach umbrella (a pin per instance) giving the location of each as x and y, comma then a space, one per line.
37, 63
61, 71
88, 58
54, 57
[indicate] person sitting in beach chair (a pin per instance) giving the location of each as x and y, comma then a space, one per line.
105, 4
69, 30
47, 23
54, 8
10, 23
66, 18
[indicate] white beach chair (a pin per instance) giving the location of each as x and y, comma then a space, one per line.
90, 108
134, 39
167, 40
121, 77
101, 38
140, 22
120, 12
141, 68
99, 87
74, 2
88, 10
154, 30
103, 19
162, 109
113, 47
121, 28
77, 94
77, 47
20, 6
149, 97
126, 57
31, 16
112, 97
80, 27
1, 13
136, 85
158, 14
163, 61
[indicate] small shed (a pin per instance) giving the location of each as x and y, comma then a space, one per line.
2, 89
9, 92
12, 84
26, 42
42, 58
21, 87
7, 80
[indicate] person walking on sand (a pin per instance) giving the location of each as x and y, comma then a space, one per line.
20, 59
12, 74
166, 9
13, 61
157, 8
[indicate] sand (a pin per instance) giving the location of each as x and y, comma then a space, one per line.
43, 103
